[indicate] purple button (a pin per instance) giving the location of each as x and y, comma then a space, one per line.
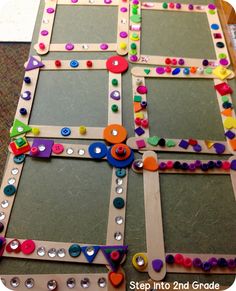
178, 6
26, 95
107, 1
103, 46
133, 58
69, 46
160, 70
192, 167
162, 166
50, 10
198, 163
224, 62
197, 148
123, 34
74, 1
44, 32
181, 62
231, 263
211, 6
213, 261
190, 6
123, 9
233, 165
115, 95
197, 263
135, 2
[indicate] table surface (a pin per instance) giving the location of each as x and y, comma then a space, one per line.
67, 200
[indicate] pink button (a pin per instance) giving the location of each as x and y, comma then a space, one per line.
28, 247
57, 148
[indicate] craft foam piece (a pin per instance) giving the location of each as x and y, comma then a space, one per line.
19, 128
116, 278
90, 258
229, 134
223, 89
33, 63
222, 73
183, 144
137, 107
209, 143
233, 144
44, 148
107, 250
219, 148
150, 164
227, 112
141, 143
19, 151
153, 140
139, 131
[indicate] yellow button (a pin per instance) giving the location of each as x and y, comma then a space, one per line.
123, 45
82, 129
140, 261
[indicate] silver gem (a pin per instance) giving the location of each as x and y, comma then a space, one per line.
71, 283
85, 283
52, 253
15, 282
69, 151
45, 20
114, 132
118, 235
102, 282
11, 181
3, 281
14, 244
115, 63
41, 251
119, 190
144, 59
5, 204
98, 150
119, 220
90, 251
200, 70
29, 283
61, 253
85, 46
140, 261
139, 81
81, 152
20, 129
123, 21
91, 1
119, 181
14, 171
42, 148
2, 215
52, 285
199, 7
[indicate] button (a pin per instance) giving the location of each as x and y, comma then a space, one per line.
114, 82
97, 150
115, 133
215, 26
19, 159
119, 203
57, 148
9, 190
179, 259
220, 44
27, 80
35, 131
89, 64
1, 228
82, 129
28, 247
74, 64
115, 95
65, 131
74, 250
13, 246
120, 173
170, 259
114, 108
117, 65
58, 63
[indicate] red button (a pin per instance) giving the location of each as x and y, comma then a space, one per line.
89, 64
174, 62
117, 65
57, 148
28, 247
168, 61
58, 63
179, 259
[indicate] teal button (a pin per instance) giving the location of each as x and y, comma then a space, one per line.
19, 159
119, 203
120, 173
9, 190
74, 250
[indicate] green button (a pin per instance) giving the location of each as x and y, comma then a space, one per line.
133, 46
134, 11
118, 203
136, 18
74, 250
225, 99
164, 5
133, 52
9, 190
20, 142
222, 56
137, 98
120, 173
208, 71
170, 143
19, 159
212, 12
114, 82
114, 108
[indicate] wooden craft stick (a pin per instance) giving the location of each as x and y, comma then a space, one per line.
115, 117
184, 7
131, 142
118, 187
88, 2
233, 177
49, 65
153, 220
82, 47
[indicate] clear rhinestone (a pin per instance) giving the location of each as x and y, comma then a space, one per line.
42, 148
11, 181
90, 251
52, 285
118, 235
119, 190
85, 283
85, 46
123, 21
115, 63
139, 81
119, 181
2, 215
15, 282
140, 261
71, 283
3, 281
52, 253
102, 282
41, 251
69, 151
199, 7
5, 204
29, 283
114, 132
61, 253
119, 220
14, 244
14, 171
98, 150
45, 20
91, 1
20, 129
81, 152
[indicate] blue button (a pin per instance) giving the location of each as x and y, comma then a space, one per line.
74, 64
97, 150
74, 250
19, 159
176, 71
215, 26
65, 131
9, 190
120, 173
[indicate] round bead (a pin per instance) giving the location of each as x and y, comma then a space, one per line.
138, 121
115, 256
1, 228
179, 259
35, 131
164, 5
144, 123
34, 151
222, 262
114, 108
58, 63
197, 263
82, 129
133, 46
187, 262
114, 82
205, 63
170, 259
89, 64
42, 46
206, 266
